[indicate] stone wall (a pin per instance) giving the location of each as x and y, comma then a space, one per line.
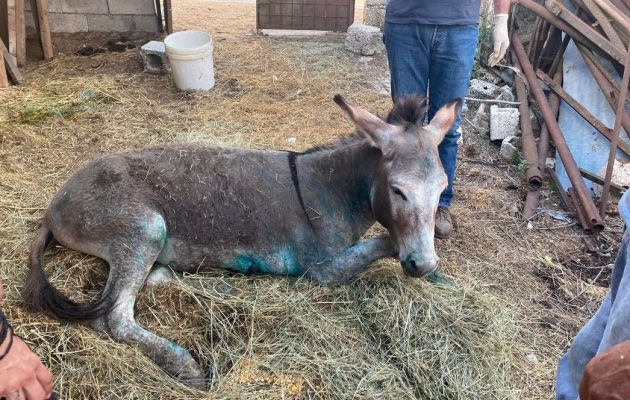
72, 16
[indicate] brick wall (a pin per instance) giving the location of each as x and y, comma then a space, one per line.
71, 16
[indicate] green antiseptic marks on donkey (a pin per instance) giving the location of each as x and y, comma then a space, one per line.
250, 264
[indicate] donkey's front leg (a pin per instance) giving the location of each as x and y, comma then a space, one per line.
351, 261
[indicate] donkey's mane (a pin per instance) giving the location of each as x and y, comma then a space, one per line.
407, 110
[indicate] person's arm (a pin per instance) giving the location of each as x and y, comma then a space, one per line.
24, 377
500, 36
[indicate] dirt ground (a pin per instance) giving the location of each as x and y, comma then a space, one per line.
271, 89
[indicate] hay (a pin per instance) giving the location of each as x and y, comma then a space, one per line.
382, 336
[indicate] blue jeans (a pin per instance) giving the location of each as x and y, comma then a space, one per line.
438, 58
608, 327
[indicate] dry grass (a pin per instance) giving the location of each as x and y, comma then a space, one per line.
383, 336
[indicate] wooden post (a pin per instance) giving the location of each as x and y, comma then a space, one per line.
11, 44
20, 33
4, 82
40, 15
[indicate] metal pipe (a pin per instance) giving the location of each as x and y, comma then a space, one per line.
579, 211
532, 197
571, 167
616, 129
528, 142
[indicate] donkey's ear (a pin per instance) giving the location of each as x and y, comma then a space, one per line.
379, 131
445, 118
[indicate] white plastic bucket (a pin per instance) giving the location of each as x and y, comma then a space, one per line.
190, 56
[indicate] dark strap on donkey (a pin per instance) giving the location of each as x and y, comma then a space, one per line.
296, 183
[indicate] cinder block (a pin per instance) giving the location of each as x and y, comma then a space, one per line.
154, 58
145, 23
68, 23
51, 6
483, 89
110, 23
504, 122
142, 7
85, 7
362, 39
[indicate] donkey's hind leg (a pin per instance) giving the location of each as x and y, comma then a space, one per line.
130, 263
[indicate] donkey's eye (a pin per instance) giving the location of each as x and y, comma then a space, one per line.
399, 193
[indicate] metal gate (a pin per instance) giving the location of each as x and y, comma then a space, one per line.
320, 15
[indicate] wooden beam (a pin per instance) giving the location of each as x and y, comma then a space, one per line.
11, 64
40, 15
4, 81
12, 44
20, 33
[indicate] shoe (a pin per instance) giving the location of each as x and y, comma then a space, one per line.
443, 223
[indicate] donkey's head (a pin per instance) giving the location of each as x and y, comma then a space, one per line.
410, 178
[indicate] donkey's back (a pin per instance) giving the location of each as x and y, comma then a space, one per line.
204, 204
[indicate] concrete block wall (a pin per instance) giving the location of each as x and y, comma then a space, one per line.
72, 16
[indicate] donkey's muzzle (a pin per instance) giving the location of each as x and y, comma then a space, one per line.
418, 266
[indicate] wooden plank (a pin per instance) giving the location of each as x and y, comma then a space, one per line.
12, 44
20, 33
11, 64
4, 81
40, 15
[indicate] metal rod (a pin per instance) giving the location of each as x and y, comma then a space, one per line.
604, 72
607, 89
614, 188
568, 204
606, 45
603, 21
528, 142
615, 13
616, 129
571, 167
559, 55
580, 109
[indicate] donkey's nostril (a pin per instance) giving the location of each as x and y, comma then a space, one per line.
412, 263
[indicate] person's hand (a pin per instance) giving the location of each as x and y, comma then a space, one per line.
607, 375
23, 376
500, 38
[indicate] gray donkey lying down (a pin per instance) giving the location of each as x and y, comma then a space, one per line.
194, 206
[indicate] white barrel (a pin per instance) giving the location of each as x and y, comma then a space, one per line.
190, 56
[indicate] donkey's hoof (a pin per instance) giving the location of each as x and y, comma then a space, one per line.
160, 275
192, 375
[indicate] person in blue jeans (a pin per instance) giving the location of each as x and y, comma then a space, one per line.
431, 49
608, 327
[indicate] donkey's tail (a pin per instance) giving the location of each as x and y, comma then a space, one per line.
40, 295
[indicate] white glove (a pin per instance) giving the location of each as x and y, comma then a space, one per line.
500, 38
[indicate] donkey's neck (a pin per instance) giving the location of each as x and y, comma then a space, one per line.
347, 173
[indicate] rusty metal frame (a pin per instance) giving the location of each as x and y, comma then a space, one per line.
591, 212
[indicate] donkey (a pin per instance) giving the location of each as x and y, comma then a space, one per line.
193, 206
